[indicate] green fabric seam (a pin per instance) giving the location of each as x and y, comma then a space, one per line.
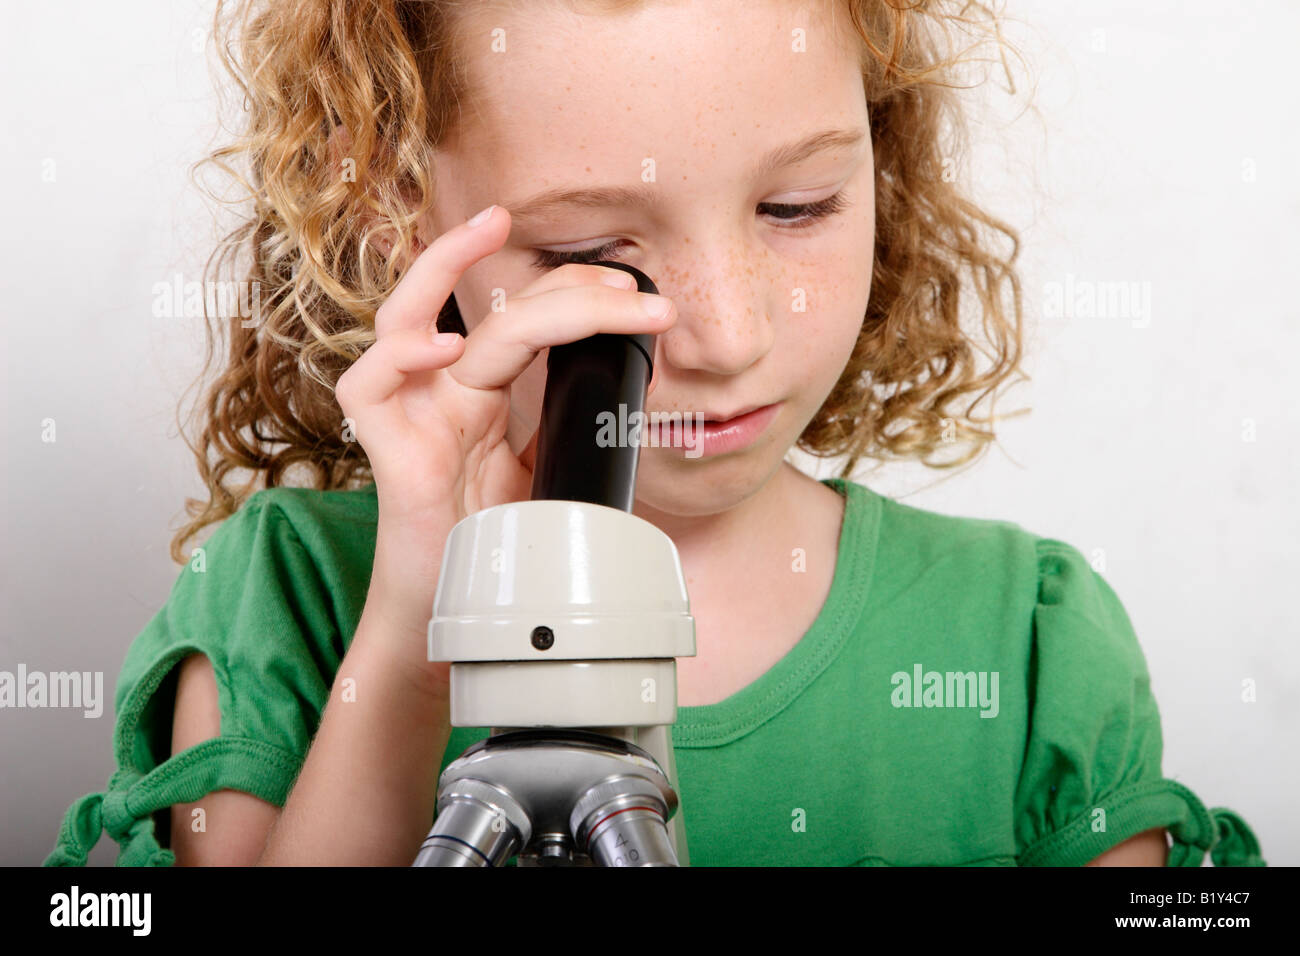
834, 632
125, 810
1129, 811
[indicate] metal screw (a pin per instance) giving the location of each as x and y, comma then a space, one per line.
543, 637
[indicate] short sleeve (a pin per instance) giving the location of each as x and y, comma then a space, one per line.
1091, 776
252, 601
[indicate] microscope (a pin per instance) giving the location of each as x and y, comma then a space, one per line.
562, 618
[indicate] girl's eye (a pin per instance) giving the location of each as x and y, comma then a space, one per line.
546, 259
799, 216
804, 215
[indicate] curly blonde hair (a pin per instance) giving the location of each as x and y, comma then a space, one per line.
391, 73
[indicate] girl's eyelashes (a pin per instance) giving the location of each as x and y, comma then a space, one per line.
546, 259
795, 216
804, 215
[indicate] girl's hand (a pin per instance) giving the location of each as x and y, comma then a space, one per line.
431, 409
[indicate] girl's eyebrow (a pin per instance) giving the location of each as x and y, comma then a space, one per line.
537, 207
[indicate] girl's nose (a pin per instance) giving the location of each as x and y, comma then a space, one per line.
723, 326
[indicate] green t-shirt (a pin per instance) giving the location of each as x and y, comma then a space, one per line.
970, 694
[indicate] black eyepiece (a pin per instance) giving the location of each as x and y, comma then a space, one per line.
588, 441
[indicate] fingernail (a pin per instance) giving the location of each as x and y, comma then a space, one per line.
446, 338
481, 217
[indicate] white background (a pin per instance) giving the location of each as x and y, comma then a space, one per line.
1161, 148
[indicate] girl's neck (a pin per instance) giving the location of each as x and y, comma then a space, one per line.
749, 604
789, 501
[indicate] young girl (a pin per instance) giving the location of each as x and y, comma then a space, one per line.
875, 684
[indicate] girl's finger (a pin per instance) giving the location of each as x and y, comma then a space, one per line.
417, 299
383, 367
506, 343
575, 274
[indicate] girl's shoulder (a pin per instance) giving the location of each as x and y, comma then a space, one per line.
992, 590
273, 592
311, 512
334, 531
962, 553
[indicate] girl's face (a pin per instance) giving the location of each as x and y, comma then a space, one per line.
725, 114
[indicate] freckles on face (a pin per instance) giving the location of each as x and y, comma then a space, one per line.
683, 99
820, 339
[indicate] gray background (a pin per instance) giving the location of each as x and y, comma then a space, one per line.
1162, 149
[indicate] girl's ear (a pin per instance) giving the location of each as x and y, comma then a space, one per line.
339, 147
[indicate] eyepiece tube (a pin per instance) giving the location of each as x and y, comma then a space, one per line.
593, 414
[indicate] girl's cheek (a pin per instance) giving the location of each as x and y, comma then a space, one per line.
526, 394
821, 296
474, 304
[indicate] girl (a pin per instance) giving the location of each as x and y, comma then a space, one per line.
875, 684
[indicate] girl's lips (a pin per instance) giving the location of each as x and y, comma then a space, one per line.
717, 438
